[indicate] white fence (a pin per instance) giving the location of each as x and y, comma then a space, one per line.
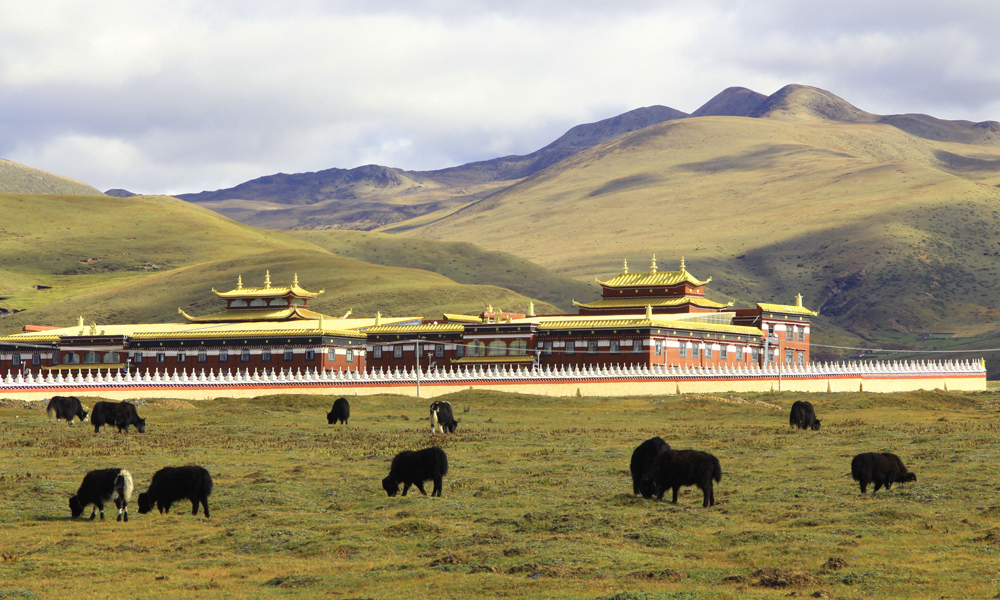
94, 379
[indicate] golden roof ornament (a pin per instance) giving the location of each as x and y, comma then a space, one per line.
682, 264
81, 321
378, 319
531, 308
321, 322
649, 312
798, 300
267, 279
652, 266
625, 267
239, 283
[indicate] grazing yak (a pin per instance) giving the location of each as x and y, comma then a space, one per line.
118, 414
100, 487
442, 418
803, 416
882, 469
340, 412
642, 460
676, 468
171, 484
66, 407
414, 467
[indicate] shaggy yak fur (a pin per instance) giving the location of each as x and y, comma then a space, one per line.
171, 484
676, 468
100, 487
340, 412
642, 460
882, 469
118, 414
442, 418
803, 416
66, 407
414, 467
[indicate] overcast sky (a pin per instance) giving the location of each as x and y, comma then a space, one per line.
175, 97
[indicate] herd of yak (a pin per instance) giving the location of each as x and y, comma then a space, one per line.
655, 467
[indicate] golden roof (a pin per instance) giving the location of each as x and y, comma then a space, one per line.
264, 314
796, 309
624, 323
655, 302
425, 328
267, 291
244, 333
653, 278
462, 318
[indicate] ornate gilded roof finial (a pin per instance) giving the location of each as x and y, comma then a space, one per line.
649, 312
682, 264
295, 281
321, 322
81, 321
625, 267
652, 266
531, 308
798, 301
378, 319
267, 278
239, 282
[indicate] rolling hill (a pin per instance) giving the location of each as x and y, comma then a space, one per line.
885, 232
138, 259
20, 179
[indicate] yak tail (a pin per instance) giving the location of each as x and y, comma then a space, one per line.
717, 471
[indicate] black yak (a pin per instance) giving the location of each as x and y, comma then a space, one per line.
118, 414
642, 460
803, 416
676, 468
442, 418
340, 412
65, 407
414, 467
880, 468
170, 484
100, 487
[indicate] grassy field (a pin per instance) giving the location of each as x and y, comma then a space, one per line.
537, 503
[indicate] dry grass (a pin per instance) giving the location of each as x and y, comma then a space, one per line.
536, 504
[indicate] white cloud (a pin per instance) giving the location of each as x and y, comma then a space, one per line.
179, 97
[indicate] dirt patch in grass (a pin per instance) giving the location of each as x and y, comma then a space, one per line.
771, 577
661, 575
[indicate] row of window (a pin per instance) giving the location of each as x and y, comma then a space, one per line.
245, 356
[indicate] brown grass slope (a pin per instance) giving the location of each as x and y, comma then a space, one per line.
880, 230
20, 179
114, 260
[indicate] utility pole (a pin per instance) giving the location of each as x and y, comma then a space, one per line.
416, 355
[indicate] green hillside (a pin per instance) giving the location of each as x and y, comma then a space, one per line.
884, 232
115, 260
19, 179
459, 261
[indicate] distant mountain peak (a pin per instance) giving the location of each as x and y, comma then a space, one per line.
806, 103
732, 102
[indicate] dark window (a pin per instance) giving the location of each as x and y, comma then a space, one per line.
181, 357
439, 351
310, 355
245, 356
570, 347
265, 356
755, 354
16, 360
93, 358
55, 358
161, 358
223, 356
349, 355
547, 348
202, 357
36, 359
723, 353
376, 352
658, 347
289, 355
637, 347
683, 352
802, 334
695, 349
616, 347
397, 351
708, 352
459, 350
789, 356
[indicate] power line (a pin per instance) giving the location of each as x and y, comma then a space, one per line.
971, 350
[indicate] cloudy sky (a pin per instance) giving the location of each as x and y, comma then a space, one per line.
184, 96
